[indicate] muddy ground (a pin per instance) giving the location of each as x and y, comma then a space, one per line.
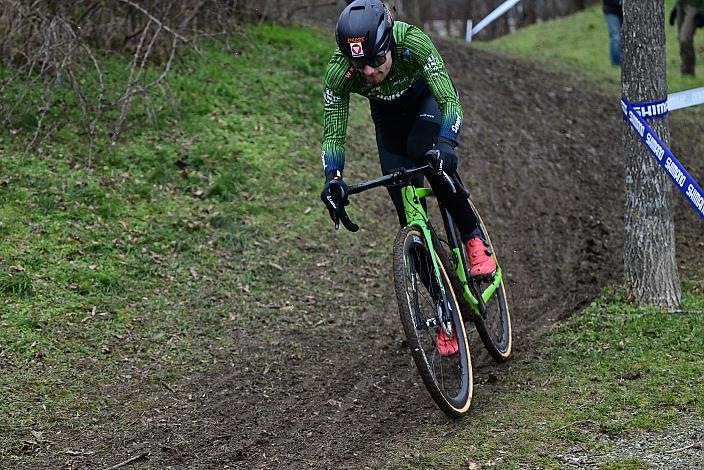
333, 390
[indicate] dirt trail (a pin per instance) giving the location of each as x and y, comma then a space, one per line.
542, 161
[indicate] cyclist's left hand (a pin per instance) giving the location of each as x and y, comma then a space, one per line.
334, 193
335, 196
443, 157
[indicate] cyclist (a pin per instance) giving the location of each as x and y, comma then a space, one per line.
416, 112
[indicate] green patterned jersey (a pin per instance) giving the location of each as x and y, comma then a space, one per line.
414, 58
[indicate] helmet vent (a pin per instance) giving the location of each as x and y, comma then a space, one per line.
380, 36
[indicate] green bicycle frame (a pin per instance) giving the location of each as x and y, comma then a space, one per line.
488, 292
417, 217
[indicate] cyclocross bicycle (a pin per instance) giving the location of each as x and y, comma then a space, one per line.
428, 273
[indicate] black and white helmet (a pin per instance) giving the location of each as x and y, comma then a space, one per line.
364, 32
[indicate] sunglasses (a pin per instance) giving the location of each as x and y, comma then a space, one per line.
373, 62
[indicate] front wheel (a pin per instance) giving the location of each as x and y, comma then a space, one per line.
429, 319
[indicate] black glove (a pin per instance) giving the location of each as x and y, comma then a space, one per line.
334, 192
443, 157
335, 196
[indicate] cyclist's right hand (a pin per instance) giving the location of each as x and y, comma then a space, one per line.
443, 156
335, 196
443, 159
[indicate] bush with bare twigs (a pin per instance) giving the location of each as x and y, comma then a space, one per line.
54, 54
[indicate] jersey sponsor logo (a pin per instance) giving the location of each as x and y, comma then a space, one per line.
432, 66
356, 49
456, 126
431, 116
377, 94
322, 157
329, 98
355, 40
350, 72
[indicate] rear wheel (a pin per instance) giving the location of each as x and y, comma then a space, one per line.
428, 317
494, 323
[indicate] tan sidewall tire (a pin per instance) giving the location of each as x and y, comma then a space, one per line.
406, 312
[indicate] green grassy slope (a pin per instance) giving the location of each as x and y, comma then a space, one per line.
178, 233
579, 45
86, 249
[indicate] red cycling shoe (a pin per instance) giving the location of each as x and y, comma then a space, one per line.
447, 346
481, 261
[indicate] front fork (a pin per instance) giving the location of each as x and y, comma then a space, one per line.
417, 217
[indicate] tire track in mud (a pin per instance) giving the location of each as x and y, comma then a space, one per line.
333, 390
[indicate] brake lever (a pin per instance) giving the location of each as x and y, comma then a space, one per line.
349, 225
433, 156
449, 180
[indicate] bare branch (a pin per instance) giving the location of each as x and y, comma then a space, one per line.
154, 19
134, 76
98, 105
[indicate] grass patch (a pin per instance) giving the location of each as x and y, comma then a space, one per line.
16, 284
611, 373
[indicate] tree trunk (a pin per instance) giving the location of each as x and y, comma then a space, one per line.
649, 246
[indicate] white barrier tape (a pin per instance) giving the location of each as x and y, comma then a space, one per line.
503, 8
679, 100
685, 99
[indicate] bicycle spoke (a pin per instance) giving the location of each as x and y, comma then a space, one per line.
427, 301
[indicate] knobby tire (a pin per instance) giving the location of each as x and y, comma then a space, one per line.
494, 326
441, 375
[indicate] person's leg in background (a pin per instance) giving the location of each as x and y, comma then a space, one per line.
686, 18
613, 25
